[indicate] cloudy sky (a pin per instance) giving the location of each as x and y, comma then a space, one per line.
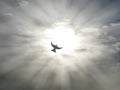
88, 31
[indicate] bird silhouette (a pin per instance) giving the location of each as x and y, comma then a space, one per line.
55, 47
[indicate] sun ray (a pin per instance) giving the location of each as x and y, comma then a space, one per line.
63, 35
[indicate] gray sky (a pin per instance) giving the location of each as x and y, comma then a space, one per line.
26, 64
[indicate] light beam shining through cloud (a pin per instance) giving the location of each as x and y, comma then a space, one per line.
87, 30
62, 34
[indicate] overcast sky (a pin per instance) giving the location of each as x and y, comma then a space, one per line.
25, 64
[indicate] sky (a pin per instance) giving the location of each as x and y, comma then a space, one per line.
88, 31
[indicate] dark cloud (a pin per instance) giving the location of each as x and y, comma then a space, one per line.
4, 18
11, 2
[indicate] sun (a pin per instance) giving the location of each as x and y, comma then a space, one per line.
62, 34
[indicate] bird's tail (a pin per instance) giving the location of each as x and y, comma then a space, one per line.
53, 50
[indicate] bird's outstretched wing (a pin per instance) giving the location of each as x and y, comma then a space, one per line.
52, 44
55, 46
58, 47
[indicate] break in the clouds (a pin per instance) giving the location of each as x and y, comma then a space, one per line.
26, 59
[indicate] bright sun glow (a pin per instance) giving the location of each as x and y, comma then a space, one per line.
64, 36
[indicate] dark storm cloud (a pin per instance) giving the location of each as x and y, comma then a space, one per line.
25, 65
103, 12
4, 18
11, 2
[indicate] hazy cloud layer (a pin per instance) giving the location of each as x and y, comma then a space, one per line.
25, 64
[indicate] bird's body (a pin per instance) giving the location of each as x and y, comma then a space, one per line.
55, 47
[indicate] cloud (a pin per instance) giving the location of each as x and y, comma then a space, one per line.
24, 62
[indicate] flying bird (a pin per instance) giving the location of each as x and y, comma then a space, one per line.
55, 47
